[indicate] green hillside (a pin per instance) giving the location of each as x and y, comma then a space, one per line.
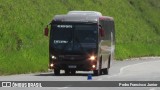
24, 48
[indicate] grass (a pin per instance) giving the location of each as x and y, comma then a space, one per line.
24, 48
130, 50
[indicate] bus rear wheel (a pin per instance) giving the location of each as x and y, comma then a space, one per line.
105, 71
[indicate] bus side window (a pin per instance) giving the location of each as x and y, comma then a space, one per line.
101, 31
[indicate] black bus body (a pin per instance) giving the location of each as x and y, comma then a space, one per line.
81, 41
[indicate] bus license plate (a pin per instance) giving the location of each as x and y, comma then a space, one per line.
72, 66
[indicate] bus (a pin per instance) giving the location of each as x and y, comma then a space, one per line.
81, 41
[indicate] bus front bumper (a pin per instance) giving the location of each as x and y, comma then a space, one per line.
81, 65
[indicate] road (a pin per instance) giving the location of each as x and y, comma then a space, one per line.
138, 69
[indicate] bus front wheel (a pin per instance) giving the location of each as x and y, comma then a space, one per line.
56, 72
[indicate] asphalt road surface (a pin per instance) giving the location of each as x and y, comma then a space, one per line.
138, 69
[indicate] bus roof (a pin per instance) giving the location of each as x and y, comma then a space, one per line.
80, 16
93, 13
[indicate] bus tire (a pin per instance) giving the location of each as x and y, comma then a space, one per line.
96, 72
100, 66
109, 61
73, 72
67, 72
99, 71
105, 71
56, 72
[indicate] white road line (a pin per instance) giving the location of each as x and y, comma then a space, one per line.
99, 79
122, 69
63, 88
152, 89
67, 86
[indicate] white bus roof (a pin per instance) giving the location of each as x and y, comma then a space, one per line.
93, 13
81, 16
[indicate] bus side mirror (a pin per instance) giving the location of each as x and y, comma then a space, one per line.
102, 33
46, 30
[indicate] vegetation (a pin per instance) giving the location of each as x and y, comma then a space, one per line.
24, 48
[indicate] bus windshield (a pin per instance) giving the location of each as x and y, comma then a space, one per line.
74, 36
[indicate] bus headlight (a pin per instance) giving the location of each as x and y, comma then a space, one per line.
51, 65
93, 66
53, 57
92, 58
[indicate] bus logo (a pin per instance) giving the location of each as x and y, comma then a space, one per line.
6, 84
